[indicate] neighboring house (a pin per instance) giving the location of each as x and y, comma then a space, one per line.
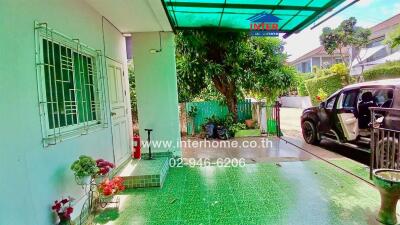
318, 58
374, 54
65, 93
376, 51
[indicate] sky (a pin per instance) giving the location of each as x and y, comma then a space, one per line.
367, 12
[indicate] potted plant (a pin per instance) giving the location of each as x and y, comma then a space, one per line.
84, 168
104, 167
249, 123
108, 188
64, 210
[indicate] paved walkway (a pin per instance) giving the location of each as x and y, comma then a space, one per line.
290, 120
268, 149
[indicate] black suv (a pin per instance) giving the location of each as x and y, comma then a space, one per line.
345, 116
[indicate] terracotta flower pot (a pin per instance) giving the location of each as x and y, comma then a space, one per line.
249, 123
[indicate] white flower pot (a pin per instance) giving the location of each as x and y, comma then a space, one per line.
107, 198
99, 178
85, 180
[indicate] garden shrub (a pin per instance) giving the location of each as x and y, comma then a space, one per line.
308, 76
322, 72
341, 70
301, 89
329, 84
322, 95
227, 122
384, 71
299, 85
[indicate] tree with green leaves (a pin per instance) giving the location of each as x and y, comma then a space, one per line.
393, 39
233, 62
347, 34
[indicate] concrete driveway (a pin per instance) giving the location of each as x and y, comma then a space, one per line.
290, 121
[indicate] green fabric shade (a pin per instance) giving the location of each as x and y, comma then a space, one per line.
294, 15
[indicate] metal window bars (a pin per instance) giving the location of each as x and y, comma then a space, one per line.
70, 85
385, 141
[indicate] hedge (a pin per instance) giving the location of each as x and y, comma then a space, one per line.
301, 89
330, 84
300, 83
384, 71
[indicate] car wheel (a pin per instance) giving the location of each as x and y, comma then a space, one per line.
309, 132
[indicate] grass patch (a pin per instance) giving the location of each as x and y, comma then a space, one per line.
248, 133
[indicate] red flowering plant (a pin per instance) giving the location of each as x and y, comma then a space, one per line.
63, 209
111, 187
104, 167
321, 95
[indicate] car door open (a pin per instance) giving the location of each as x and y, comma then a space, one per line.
347, 114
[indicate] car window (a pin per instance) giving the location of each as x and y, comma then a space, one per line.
347, 100
330, 102
382, 95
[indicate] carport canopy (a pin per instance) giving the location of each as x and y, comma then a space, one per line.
294, 15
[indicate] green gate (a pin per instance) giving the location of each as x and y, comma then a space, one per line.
273, 119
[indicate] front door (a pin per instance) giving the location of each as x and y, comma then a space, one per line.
119, 121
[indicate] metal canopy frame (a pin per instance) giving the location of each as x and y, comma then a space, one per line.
195, 14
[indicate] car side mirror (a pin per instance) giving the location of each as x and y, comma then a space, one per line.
322, 105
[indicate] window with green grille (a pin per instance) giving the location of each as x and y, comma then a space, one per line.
70, 85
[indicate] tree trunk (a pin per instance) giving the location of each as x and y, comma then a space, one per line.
227, 89
231, 102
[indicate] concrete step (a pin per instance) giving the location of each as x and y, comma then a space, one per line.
145, 173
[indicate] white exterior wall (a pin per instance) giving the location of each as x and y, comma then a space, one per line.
32, 176
156, 89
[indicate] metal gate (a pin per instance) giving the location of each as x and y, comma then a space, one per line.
272, 115
385, 141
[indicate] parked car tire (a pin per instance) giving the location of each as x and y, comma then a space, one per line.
309, 131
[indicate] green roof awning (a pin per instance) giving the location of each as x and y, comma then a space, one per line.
294, 15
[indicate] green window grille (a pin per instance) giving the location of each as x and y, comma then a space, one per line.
70, 85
